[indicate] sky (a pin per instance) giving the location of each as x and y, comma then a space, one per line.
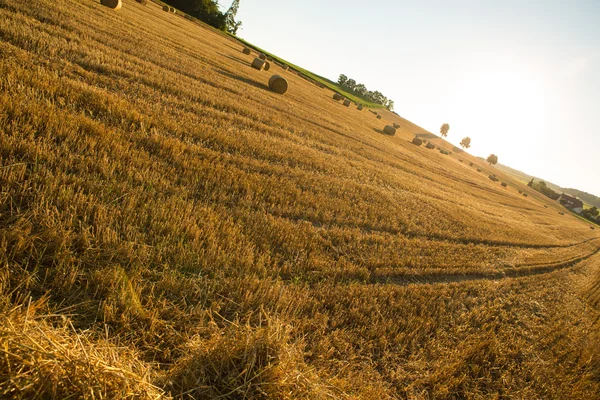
520, 78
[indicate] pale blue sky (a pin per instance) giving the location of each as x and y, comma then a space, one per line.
521, 78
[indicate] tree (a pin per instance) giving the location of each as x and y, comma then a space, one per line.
466, 143
360, 89
493, 160
230, 24
390, 105
350, 84
590, 212
342, 79
205, 10
444, 130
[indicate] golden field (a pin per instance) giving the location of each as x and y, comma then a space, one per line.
171, 228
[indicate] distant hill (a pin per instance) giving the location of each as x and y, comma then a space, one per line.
586, 197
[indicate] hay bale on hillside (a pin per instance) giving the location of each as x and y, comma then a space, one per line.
561, 213
267, 66
166, 8
493, 178
470, 164
504, 184
525, 194
460, 160
246, 50
172, 9
378, 116
478, 169
417, 141
359, 107
389, 130
278, 84
142, 2
347, 103
285, 67
545, 206
270, 59
258, 64
396, 125
262, 56
591, 227
337, 96
520, 191
430, 146
114, 4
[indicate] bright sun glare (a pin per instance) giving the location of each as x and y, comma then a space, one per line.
497, 101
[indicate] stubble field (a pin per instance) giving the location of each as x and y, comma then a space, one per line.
171, 228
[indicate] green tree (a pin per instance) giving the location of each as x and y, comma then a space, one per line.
342, 79
444, 130
205, 10
493, 160
390, 104
350, 84
230, 23
466, 143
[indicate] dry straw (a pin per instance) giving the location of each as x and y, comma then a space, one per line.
114, 4
258, 64
53, 361
278, 84
389, 130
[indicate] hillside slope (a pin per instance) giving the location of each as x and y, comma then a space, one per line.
169, 227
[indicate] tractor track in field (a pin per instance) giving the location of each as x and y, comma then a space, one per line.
513, 272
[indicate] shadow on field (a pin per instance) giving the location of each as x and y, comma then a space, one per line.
243, 62
457, 150
245, 80
381, 132
426, 136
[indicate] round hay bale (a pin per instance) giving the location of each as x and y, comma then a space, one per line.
591, 227
545, 206
525, 194
470, 164
142, 2
246, 50
258, 64
520, 191
278, 84
478, 169
270, 59
493, 178
262, 56
417, 141
347, 103
337, 96
430, 146
359, 107
504, 184
267, 66
166, 8
389, 130
378, 116
561, 213
172, 9
397, 126
285, 67
114, 4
